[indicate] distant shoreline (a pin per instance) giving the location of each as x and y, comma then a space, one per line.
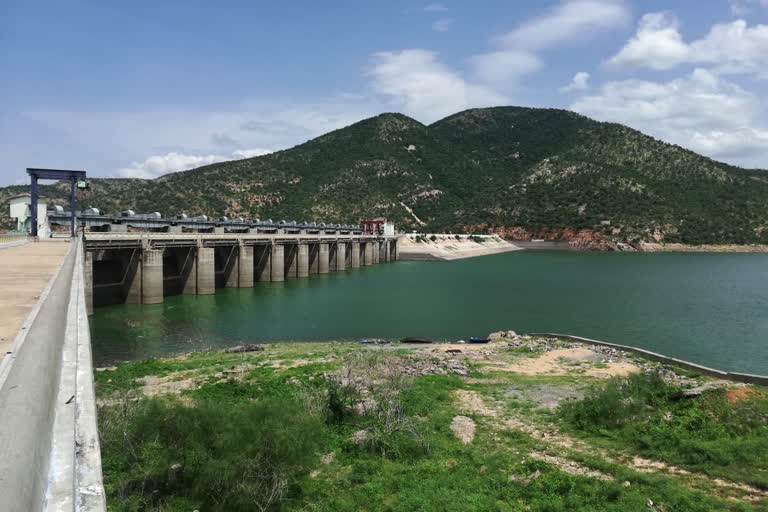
565, 245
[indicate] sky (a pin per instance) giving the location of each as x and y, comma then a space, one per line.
145, 88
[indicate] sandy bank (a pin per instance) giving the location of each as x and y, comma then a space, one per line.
451, 249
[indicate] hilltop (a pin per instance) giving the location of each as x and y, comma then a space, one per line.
524, 172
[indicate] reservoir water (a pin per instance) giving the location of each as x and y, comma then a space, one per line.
707, 308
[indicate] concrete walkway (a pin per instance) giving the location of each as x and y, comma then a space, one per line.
24, 273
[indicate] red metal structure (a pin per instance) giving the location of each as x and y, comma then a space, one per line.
373, 226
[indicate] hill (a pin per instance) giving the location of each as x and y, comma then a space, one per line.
521, 171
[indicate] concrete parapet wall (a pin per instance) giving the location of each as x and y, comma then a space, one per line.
49, 452
653, 356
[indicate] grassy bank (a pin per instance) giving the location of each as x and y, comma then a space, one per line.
521, 424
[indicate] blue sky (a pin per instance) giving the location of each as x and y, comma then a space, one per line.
140, 89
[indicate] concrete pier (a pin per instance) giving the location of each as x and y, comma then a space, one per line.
291, 262
152, 276
190, 283
341, 256
278, 263
262, 263
206, 271
133, 295
332, 256
314, 258
323, 259
368, 260
245, 267
382, 252
303, 260
232, 267
355, 261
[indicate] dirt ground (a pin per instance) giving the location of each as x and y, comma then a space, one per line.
24, 273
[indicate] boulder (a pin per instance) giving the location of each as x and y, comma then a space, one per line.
248, 347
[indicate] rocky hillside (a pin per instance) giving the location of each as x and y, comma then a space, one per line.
520, 171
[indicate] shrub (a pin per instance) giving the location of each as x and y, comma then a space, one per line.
707, 433
433, 238
231, 457
367, 394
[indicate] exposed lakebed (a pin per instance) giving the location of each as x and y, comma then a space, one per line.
707, 308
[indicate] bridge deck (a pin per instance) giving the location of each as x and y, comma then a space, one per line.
24, 272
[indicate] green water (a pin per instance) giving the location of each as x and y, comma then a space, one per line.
707, 308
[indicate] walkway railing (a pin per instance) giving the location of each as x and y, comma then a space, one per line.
7, 239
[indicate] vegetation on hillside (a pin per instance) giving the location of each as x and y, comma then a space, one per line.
510, 167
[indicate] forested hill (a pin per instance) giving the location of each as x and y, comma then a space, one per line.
532, 172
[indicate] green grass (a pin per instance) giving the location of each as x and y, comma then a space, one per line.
706, 434
235, 437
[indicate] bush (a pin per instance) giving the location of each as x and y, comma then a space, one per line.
367, 394
707, 433
433, 238
231, 457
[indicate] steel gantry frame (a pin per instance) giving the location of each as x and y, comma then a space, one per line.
52, 174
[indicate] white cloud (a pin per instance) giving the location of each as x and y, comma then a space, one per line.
442, 25
158, 165
742, 7
249, 153
417, 82
729, 47
571, 19
435, 8
504, 66
579, 82
222, 139
657, 44
700, 111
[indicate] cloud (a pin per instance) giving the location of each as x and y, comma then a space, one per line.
728, 47
222, 139
417, 82
435, 8
517, 50
579, 82
700, 111
442, 25
569, 20
742, 7
504, 66
657, 44
159, 165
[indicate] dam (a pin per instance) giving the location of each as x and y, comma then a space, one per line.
142, 268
